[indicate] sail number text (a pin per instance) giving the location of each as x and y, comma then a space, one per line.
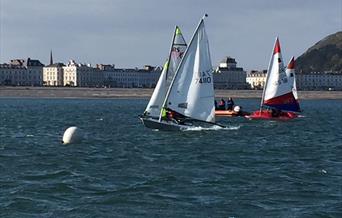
204, 77
282, 77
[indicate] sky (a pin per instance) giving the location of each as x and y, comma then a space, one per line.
132, 33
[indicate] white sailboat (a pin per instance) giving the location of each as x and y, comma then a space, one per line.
189, 101
278, 91
177, 50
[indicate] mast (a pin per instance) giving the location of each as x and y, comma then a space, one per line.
180, 64
267, 75
168, 64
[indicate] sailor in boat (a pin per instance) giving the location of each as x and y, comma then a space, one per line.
238, 111
172, 116
230, 104
274, 112
221, 105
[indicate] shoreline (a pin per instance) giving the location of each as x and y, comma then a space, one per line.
137, 93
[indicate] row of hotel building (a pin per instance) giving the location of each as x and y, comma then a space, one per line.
226, 76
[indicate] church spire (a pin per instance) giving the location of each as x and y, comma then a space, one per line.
51, 60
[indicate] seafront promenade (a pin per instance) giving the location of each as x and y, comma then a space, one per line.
74, 92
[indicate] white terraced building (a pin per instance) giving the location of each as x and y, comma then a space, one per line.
20, 72
82, 75
53, 75
319, 81
256, 79
304, 81
130, 78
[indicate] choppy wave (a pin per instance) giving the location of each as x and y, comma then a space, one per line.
246, 169
213, 128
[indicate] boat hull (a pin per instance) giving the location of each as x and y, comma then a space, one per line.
229, 113
267, 115
174, 126
163, 125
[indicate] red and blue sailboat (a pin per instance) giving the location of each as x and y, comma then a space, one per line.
279, 101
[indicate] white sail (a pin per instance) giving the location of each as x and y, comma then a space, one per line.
154, 105
192, 92
290, 73
178, 47
277, 83
176, 54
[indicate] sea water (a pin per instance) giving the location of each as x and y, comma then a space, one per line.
122, 169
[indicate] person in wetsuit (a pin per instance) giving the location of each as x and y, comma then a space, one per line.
230, 104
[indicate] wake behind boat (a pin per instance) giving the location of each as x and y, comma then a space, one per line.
279, 100
189, 100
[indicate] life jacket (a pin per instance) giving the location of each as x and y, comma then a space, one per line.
163, 113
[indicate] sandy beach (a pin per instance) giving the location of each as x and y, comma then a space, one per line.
74, 92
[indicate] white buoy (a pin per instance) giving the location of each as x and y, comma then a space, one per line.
72, 135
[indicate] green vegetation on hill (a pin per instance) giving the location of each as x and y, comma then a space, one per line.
325, 55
